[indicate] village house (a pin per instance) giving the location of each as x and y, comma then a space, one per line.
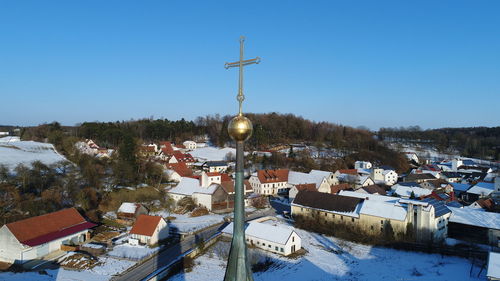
300, 187
435, 184
130, 211
215, 166
479, 190
269, 182
149, 230
419, 177
383, 176
372, 189
412, 156
371, 214
175, 171
189, 145
409, 190
206, 191
451, 176
321, 179
362, 165
270, 237
179, 157
39, 236
474, 225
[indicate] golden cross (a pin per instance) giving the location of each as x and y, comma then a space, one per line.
241, 63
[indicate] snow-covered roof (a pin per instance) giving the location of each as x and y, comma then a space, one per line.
475, 217
482, 188
373, 197
127, 207
320, 173
301, 178
405, 191
269, 232
493, 265
383, 209
379, 205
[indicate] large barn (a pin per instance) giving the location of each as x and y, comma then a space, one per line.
36, 237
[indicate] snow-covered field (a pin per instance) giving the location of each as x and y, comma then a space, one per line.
14, 152
102, 272
329, 258
132, 252
185, 223
212, 153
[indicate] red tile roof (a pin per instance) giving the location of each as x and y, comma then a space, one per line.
334, 189
269, 176
183, 157
225, 177
181, 169
145, 225
349, 171
213, 174
306, 186
41, 229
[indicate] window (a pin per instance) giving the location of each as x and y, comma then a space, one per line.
269, 245
333, 215
258, 242
281, 250
341, 218
326, 214
381, 222
263, 244
352, 219
276, 248
293, 238
371, 227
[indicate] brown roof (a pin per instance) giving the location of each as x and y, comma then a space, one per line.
147, 148
269, 176
326, 201
306, 186
348, 171
423, 176
486, 204
372, 189
145, 225
181, 169
225, 177
228, 186
35, 227
334, 189
213, 174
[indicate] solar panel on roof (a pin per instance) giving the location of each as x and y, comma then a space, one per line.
439, 208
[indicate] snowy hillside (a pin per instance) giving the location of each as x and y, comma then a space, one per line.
13, 152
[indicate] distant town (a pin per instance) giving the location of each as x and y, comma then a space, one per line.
153, 199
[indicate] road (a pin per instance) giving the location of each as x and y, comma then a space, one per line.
167, 256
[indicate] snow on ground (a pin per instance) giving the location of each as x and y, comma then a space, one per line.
102, 272
15, 152
185, 223
210, 153
132, 252
330, 258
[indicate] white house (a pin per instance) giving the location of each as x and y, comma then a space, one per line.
207, 191
189, 145
321, 179
36, 237
362, 165
149, 229
269, 182
412, 156
381, 176
270, 237
215, 166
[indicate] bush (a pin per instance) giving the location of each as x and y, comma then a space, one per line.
198, 212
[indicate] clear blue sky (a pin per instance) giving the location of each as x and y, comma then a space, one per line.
371, 63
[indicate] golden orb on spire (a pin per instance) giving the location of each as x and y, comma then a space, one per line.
240, 128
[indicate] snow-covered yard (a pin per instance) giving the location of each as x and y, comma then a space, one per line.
185, 223
132, 252
14, 152
210, 153
328, 258
107, 268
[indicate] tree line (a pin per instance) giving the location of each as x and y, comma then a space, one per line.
478, 142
